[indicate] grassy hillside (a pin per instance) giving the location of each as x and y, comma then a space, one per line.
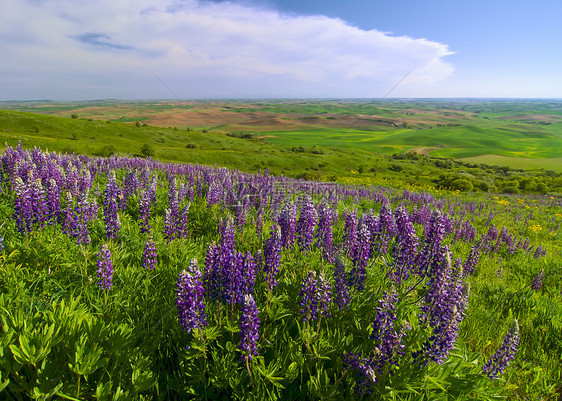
507, 131
313, 154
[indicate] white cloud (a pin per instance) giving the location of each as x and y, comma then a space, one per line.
103, 49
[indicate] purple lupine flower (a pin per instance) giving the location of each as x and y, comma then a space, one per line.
53, 201
324, 233
1, 243
247, 266
350, 233
364, 367
169, 226
388, 341
315, 295
23, 206
182, 222
105, 268
249, 328
306, 223
38, 203
112, 223
360, 258
68, 217
149, 254
144, 211
387, 222
471, 261
539, 251
287, 222
537, 281
212, 278
259, 222
82, 218
341, 292
500, 360
405, 247
272, 256
433, 237
189, 301
443, 310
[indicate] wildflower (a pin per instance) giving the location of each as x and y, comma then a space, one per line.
272, 256
388, 340
105, 268
287, 222
363, 366
360, 258
306, 223
249, 328
315, 296
341, 293
112, 222
144, 212
443, 310
190, 291
149, 254
537, 281
505, 354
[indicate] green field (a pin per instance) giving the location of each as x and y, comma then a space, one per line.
365, 141
456, 129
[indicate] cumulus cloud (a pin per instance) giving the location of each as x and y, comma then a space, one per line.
107, 48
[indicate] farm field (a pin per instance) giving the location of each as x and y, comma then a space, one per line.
132, 278
507, 131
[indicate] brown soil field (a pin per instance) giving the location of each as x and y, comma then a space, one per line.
531, 117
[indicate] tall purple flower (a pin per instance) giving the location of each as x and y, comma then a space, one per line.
315, 295
433, 237
360, 257
500, 360
443, 310
112, 191
405, 247
341, 292
272, 256
53, 201
144, 211
537, 281
324, 233
287, 222
350, 233
23, 206
363, 367
189, 301
105, 268
149, 254
471, 261
306, 223
388, 340
249, 328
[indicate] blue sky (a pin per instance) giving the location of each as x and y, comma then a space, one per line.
142, 49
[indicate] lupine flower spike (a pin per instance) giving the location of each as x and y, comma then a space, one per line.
105, 268
190, 291
249, 328
505, 354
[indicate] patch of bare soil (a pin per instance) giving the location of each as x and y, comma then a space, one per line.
532, 117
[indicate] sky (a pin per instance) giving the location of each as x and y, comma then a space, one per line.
192, 49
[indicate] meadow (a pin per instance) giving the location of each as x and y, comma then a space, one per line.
177, 262
131, 278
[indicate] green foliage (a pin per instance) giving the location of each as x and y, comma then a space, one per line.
147, 150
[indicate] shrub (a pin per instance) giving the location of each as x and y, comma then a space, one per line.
147, 150
462, 185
